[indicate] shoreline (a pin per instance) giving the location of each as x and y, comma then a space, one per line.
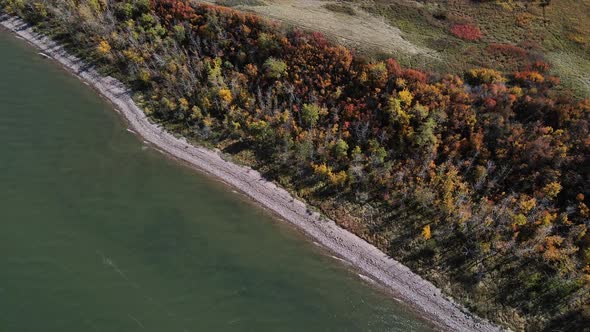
408, 287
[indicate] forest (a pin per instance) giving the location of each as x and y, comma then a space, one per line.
479, 181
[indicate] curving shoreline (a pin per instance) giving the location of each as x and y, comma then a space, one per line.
407, 286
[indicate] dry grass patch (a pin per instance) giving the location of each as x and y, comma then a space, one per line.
362, 31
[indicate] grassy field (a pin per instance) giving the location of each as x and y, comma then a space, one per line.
451, 35
513, 34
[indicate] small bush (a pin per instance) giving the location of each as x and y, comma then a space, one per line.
484, 76
539, 66
466, 32
529, 77
507, 50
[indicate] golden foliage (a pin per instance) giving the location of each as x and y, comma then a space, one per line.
104, 48
552, 189
406, 97
527, 204
426, 234
225, 95
485, 76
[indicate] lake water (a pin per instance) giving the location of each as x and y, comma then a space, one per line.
100, 233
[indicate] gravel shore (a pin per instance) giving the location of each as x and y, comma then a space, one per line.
408, 287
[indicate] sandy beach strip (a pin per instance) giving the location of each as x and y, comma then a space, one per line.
406, 286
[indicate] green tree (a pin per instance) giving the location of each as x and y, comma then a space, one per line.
310, 114
275, 68
142, 6
179, 32
341, 149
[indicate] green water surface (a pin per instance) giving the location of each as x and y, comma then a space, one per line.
100, 233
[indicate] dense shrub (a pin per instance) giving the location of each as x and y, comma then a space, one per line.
466, 32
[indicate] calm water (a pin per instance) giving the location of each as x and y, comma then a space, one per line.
98, 233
